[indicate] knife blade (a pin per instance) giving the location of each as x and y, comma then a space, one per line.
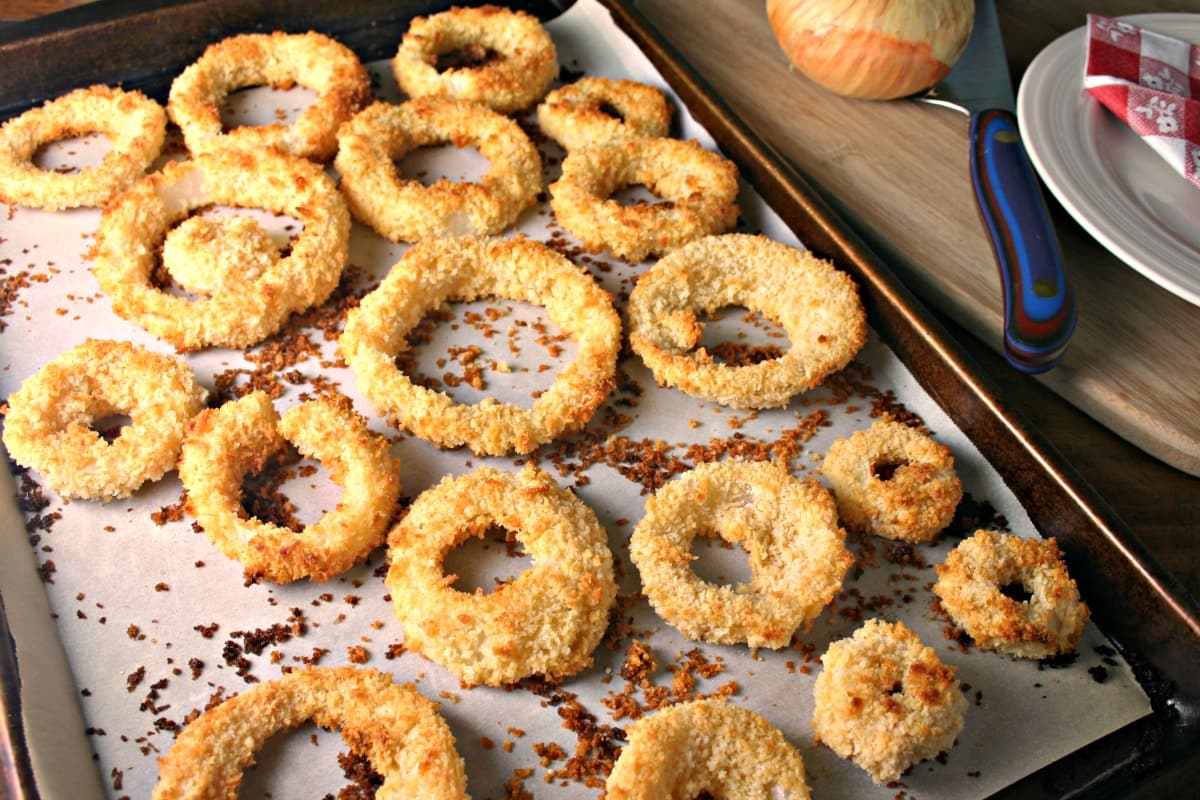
1040, 309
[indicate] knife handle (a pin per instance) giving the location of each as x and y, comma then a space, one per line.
1039, 304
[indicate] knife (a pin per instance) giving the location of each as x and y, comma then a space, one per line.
1039, 304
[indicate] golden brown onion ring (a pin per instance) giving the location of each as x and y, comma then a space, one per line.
885, 701
893, 481
277, 59
397, 729
224, 444
517, 56
136, 222
577, 114
404, 209
436, 271
700, 186
134, 124
707, 748
789, 528
815, 304
547, 621
971, 585
211, 255
48, 425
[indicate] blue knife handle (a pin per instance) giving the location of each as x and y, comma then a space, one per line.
1039, 304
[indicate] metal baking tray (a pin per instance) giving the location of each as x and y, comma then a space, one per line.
1137, 604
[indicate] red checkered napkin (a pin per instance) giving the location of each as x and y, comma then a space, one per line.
1149, 80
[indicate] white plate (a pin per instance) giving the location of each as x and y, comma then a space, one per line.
1112, 183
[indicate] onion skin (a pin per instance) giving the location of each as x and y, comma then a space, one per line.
872, 49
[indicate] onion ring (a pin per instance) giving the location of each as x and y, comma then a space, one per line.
138, 219
701, 186
436, 271
707, 748
816, 305
789, 527
405, 210
886, 701
577, 115
134, 124
226, 443
211, 255
515, 79
971, 583
547, 621
893, 481
397, 729
277, 59
48, 424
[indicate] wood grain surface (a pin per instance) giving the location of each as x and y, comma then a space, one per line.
898, 172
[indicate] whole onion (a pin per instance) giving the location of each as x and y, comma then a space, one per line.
872, 49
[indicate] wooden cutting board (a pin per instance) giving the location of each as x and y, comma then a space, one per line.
898, 172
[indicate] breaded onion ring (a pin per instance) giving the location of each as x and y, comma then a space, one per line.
137, 220
578, 114
48, 425
516, 57
886, 701
405, 210
893, 481
789, 528
971, 586
436, 271
700, 185
211, 255
397, 729
816, 305
226, 443
707, 748
277, 59
547, 621
134, 124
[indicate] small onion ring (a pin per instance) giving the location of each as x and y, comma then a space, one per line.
885, 701
137, 220
547, 621
405, 210
224, 444
211, 255
48, 422
575, 115
914, 503
397, 729
134, 124
700, 185
970, 583
437, 271
707, 747
277, 59
526, 63
789, 528
816, 305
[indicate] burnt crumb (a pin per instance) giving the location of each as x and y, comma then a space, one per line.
1099, 673
134, 679
207, 631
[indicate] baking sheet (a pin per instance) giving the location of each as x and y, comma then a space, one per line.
129, 593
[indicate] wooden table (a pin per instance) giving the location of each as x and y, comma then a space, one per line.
895, 171
898, 172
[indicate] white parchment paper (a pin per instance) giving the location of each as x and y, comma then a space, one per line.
150, 614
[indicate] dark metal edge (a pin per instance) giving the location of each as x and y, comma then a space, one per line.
16, 775
1138, 604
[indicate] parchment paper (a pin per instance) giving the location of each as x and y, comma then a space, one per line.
133, 598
